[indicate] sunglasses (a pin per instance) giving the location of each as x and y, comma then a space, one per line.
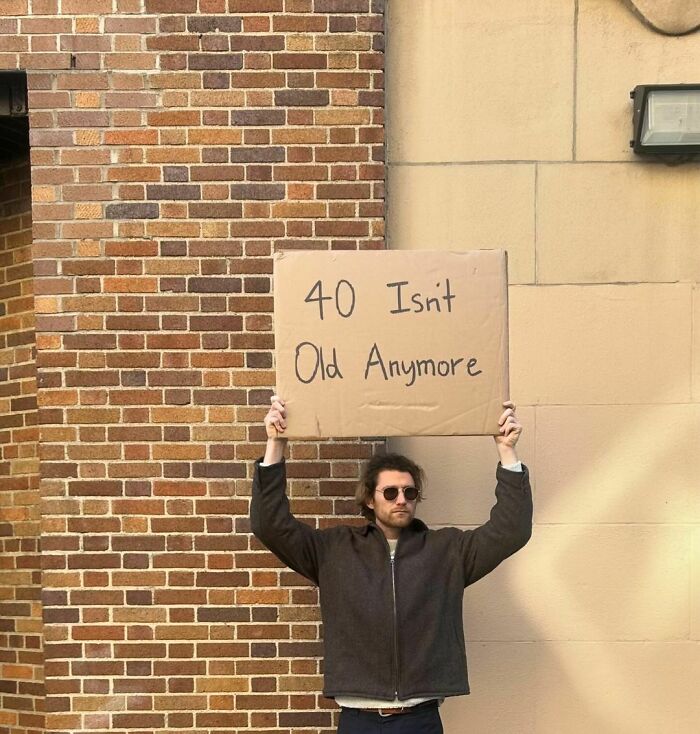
391, 493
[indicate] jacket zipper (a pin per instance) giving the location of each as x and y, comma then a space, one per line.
396, 630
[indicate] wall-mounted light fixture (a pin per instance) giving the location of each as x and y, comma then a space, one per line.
667, 120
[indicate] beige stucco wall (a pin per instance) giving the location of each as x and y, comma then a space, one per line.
508, 126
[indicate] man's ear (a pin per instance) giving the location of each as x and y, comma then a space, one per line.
370, 503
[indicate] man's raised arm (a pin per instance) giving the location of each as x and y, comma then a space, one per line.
510, 524
296, 544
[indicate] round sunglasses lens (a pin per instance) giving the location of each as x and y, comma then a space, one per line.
391, 493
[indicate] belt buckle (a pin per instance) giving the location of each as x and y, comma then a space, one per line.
391, 712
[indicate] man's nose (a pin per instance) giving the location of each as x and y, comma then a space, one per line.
401, 499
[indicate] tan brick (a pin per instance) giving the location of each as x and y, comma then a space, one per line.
172, 80
47, 304
342, 61
58, 397
219, 433
89, 248
229, 136
299, 209
93, 415
218, 99
165, 154
300, 683
88, 211
343, 42
230, 684
87, 25
178, 415
87, 137
165, 266
43, 193
172, 229
133, 173
131, 137
299, 136
262, 596
342, 117
221, 415
168, 452
88, 99
299, 43
130, 285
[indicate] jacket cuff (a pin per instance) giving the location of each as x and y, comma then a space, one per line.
516, 480
259, 462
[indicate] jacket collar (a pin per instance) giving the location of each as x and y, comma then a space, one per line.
415, 528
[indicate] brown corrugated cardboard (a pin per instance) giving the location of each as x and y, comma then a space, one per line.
391, 343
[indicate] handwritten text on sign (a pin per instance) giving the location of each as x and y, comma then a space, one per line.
310, 362
391, 343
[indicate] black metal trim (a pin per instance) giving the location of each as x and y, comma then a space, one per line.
639, 97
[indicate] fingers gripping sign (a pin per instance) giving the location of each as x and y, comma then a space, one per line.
510, 429
275, 426
276, 418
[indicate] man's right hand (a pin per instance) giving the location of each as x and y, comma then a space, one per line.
276, 418
275, 426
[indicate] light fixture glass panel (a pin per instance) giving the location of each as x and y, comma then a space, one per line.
672, 118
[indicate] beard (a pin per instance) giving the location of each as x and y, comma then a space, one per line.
396, 518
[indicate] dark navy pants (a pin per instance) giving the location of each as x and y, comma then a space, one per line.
425, 719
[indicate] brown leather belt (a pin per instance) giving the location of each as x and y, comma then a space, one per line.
400, 709
390, 712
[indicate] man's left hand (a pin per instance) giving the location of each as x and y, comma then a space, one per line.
509, 426
510, 430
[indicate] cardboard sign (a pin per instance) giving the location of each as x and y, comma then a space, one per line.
391, 343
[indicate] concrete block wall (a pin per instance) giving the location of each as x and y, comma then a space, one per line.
174, 146
508, 127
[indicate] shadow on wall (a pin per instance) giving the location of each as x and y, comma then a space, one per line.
572, 633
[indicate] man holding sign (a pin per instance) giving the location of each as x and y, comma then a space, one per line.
391, 591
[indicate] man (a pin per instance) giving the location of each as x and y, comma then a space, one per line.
391, 591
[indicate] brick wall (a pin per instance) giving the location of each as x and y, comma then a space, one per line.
21, 665
175, 146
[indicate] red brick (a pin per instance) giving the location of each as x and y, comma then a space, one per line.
300, 23
300, 61
255, 6
341, 6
